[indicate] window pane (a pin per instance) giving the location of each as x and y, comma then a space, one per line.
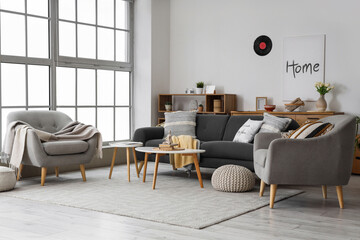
106, 13
13, 84
68, 111
65, 86
86, 41
4, 114
121, 46
86, 11
12, 34
86, 115
122, 14
13, 5
38, 85
122, 123
38, 37
67, 39
67, 9
38, 7
105, 123
122, 88
105, 87
86, 87
105, 44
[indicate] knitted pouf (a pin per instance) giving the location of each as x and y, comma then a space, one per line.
233, 178
7, 179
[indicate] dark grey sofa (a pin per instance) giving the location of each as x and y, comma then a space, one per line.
215, 133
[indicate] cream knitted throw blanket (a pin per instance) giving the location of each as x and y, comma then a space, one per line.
15, 138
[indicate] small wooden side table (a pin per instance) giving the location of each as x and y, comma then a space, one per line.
128, 146
185, 152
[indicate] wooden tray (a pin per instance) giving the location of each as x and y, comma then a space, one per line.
165, 149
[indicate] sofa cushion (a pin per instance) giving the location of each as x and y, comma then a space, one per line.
227, 150
274, 124
180, 123
65, 147
154, 142
247, 131
234, 124
260, 157
211, 127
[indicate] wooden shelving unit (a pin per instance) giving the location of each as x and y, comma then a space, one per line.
228, 103
356, 162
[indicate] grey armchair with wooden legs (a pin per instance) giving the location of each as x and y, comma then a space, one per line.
324, 160
52, 154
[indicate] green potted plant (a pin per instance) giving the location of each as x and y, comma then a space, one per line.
200, 108
322, 88
168, 106
199, 87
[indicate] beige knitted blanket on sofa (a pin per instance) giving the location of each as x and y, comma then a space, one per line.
15, 138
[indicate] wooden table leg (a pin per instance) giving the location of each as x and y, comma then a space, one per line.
156, 169
145, 165
196, 163
135, 161
128, 162
112, 162
141, 164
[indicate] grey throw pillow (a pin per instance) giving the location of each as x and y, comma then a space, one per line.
180, 123
274, 124
247, 131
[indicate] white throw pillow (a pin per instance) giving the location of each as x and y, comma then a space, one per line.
247, 131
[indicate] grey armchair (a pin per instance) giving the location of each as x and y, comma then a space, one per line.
324, 160
52, 154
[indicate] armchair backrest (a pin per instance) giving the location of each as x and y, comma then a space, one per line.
48, 121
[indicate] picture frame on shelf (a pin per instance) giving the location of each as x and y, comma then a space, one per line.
260, 103
210, 89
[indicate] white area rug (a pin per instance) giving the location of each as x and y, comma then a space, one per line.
177, 199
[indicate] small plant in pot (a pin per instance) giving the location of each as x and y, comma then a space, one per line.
199, 87
200, 108
168, 106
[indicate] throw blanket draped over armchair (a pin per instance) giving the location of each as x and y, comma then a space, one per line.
15, 138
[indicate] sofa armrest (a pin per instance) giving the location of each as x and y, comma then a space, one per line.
263, 140
145, 134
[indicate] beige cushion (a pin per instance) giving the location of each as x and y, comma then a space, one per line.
233, 178
7, 179
65, 147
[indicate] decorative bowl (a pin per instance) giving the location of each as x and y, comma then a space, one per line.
269, 108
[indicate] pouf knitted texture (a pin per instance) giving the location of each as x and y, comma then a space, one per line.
233, 178
7, 179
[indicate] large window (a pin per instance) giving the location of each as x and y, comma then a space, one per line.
73, 56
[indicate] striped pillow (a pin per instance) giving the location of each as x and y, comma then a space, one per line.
313, 129
274, 124
180, 123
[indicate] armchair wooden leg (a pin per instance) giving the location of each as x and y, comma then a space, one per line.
43, 175
82, 169
324, 191
340, 196
262, 188
19, 172
273, 188
57, 171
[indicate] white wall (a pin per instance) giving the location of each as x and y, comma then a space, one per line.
212, 41
151, 59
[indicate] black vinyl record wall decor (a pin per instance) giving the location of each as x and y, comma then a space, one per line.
262, 45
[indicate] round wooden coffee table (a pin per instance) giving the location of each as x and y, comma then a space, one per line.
126, 145
186, 152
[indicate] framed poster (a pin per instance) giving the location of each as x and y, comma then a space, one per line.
303, 66
260, 103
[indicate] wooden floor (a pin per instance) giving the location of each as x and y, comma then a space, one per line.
305, 216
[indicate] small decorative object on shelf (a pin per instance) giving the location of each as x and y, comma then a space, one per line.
193, 105
322, 88
217, 105
260, 103
168, 106
210, 89
200, 108
269, 108
295, 104
199, 87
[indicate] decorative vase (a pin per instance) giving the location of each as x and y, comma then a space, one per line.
321, 104
168, 107
200, 108
198, 90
